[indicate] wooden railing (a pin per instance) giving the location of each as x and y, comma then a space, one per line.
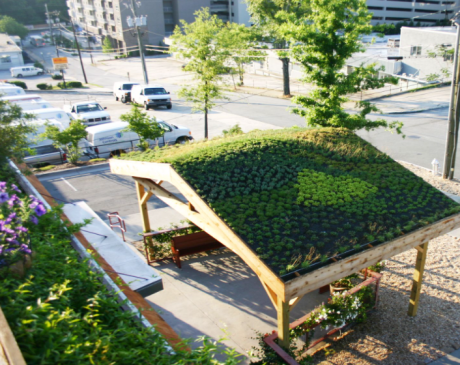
10, 353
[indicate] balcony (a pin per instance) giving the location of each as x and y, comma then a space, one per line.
112, 22
109, 10
90, 17
102, 20
114, 34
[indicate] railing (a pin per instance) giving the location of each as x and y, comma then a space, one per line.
374, 277
10, 354
119, 223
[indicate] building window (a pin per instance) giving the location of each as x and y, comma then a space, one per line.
399, 9
415, 50
5, 59
114, 29
375, 8
377, 18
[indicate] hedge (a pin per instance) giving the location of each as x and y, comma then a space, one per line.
70, 84
44, 86
61, 313
56, 77
19, 83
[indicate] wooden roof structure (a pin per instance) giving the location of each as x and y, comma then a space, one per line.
149, 176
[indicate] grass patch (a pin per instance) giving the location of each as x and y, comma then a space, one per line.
100, 159
45, 168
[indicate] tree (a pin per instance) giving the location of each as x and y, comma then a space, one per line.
266, 15
201, 44
240, 43
13, 131
12, 27
107, 45
68, 138
145, 126
322, 42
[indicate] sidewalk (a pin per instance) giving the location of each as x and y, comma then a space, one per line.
451, 359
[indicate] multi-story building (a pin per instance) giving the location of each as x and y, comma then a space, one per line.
427, 12
107, 18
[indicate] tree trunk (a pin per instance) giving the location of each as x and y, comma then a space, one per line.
205, 122
286, 86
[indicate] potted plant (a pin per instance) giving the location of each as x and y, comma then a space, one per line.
344, 284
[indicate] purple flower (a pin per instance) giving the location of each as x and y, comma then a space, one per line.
8, 230
14, 198
15, 188
34, 204
33, 219
24, 248
2, 185
12, 241
4, 197
40, 210
21, 229
12, 215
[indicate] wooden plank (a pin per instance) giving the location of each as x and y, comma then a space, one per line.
11, 350
141, 194
146, 197
215, 227
294, 301
271, 294
419, 249
417, 280
283, 323
150, 170
337, 270
233, 241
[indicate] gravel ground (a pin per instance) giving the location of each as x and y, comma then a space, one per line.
390, 336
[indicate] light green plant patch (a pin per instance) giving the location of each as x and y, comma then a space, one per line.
318, 188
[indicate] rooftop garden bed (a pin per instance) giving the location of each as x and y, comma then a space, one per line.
300, 198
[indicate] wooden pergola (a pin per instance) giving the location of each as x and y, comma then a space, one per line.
149, 176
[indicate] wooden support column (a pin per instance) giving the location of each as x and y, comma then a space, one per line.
142, 198
422, 251
283, 323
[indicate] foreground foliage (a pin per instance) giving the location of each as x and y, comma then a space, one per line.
275, 189
60, 313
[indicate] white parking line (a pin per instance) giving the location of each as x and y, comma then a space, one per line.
68, 183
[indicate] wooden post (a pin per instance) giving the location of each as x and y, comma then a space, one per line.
283, 323
141, 195
422, 251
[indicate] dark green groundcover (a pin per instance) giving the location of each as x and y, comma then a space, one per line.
298, 197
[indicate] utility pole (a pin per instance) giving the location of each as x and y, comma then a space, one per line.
453, 121
139, 41
51, 31
79, 53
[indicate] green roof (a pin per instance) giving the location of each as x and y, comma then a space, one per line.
298, 197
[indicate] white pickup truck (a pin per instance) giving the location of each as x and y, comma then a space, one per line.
90, 113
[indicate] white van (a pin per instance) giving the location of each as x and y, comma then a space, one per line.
28, 101
11, 90
107, 140
122, 90
53, 113
151, 96
25, 71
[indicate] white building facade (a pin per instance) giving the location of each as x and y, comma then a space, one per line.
10, 53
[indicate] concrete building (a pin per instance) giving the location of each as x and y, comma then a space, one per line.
107, 18
427, 12
10, 53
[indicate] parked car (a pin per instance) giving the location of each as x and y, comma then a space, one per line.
43, 150
90, 112
28, 101
151, 96
122, 91
108, 140
53, 113
11, 90
26, 71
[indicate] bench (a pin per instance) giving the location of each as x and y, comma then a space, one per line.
192, 243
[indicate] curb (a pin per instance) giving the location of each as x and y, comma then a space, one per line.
410, 91
76, 169
418, 110
85, 91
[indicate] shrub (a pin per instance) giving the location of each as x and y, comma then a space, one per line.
19, 83
44, 86
75, 84
56, 77
39, 65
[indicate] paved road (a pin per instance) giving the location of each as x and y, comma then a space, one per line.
425, 131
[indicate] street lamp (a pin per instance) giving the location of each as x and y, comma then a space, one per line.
137, 22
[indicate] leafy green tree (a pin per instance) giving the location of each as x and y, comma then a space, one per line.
322, 42
13, 131
266, 16
68, 138
201, 44
12, 27
107, 45
144, 125
240, 42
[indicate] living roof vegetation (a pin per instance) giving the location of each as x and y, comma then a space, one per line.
301, 197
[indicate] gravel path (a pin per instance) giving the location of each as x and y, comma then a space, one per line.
390, 336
